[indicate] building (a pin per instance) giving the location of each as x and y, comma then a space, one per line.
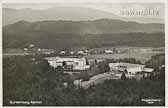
130, 69
31, 45
147, 72
140, 50
75, 63
72, 52
80, 52
45, 51
62, 52
25, 49
109, 52
127, 67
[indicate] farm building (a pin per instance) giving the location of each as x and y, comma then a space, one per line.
74, 63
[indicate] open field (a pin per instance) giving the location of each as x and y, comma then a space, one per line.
143, 57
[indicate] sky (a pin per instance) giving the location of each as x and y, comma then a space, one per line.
114, 8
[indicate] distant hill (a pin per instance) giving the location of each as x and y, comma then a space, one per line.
10, 16
97, 33
84, 27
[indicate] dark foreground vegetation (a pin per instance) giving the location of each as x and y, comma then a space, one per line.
24, 79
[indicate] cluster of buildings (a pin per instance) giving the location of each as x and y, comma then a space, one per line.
116, 69
73, 63
88, 52
80, 52
81, 63
141, 50
32, 49
131, 69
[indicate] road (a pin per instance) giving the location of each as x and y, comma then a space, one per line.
98, 79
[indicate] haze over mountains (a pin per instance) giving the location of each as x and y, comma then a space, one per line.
11, 16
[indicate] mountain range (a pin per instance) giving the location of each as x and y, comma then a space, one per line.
68, 34
101, 26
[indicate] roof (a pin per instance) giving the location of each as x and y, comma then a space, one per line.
134, 69
60, 59
128, 65
148, 70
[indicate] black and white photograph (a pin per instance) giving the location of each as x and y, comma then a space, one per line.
83, 54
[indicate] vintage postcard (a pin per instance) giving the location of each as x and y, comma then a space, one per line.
83, 53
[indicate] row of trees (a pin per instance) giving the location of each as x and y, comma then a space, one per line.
157, 62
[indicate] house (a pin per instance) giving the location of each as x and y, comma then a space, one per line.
147, 72
80, 52
98, 60
46, 51
108, 51
25, 49
86, 51
72, 52
31, 45
62, 52
38, 49
75, 63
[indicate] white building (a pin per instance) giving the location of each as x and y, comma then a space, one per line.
80, 52
62, 52
45, 51
76, 63
131, 69
108, 51
71, 52
25, 49
31, 45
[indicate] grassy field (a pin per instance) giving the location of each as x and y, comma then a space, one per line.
143, 57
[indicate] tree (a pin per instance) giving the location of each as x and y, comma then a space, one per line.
123, 77
64, 64
103, 67
87, 62
157, 62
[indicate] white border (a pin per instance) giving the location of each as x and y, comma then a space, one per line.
93, 1
81, 1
